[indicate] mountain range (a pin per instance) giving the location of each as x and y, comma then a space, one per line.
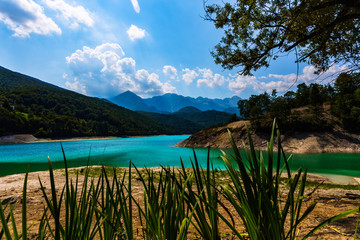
170, 103
31, 106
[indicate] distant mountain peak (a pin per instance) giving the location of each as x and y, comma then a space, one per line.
127, 92
189, 109
172, 102
132, 101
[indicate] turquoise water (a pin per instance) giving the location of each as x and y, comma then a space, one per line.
146, 151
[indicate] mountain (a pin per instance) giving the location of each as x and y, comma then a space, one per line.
190, 119
31, 106
170, 102
132, 101
179, 124
12, 80
206, 118
188, 110
232, 110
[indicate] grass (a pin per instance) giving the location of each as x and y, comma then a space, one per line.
269, 205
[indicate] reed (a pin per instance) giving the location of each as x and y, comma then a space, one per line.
164, 214
266, 210
201, 195
269, 205
5, 231
80, 203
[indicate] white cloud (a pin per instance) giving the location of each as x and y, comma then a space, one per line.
75, 15
25, 17
136, 6
282, 83
209, 79
105, 71
170, 71
242, 83
76, 86
308, 76
135, 32
189, 75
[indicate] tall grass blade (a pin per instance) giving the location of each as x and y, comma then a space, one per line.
4, 223
24, 222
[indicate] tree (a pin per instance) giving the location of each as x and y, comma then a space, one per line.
347, 100
243, 110
302, 95
233, 118
347, 84
321, 32
316, 99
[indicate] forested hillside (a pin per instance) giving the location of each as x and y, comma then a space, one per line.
28, 105
303, 110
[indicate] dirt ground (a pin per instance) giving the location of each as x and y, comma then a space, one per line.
330, 202
334, 141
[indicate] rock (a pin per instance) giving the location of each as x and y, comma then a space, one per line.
333, 141
17, 138
352, 196
12, 200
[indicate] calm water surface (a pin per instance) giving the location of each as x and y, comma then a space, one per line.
146, 151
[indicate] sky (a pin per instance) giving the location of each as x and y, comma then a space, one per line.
150, 47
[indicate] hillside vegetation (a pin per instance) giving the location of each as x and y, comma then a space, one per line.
342, 99
28, 105
313, 119
190, 119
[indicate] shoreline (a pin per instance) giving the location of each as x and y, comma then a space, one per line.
330, 202
316, 177
28, 138
334, 141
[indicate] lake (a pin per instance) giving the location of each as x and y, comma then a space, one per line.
146, 151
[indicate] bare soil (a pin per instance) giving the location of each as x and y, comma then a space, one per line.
330, 202
334, 141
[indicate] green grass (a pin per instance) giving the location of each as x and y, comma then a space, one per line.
269, 205
221, 177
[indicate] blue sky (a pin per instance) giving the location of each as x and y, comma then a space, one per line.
151, 47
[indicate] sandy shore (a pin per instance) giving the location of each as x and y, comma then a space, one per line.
28, 138
330, 202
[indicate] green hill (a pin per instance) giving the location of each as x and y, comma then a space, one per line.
178, 124
190, 119
189, 109
28, 105
206, 118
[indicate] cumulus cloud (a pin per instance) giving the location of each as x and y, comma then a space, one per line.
189, 75
25, 17
170, 71
282, 82
135, 6
135, 32
75, 15
209, 79
76, 86
242, 83
105, 71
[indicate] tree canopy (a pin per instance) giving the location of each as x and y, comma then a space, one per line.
303, 110
320, 32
